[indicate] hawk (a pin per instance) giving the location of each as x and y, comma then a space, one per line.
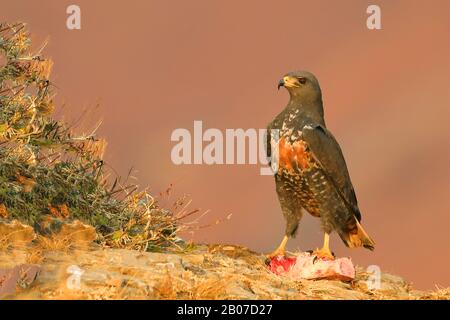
312, 173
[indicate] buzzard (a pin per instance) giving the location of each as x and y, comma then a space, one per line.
312, 173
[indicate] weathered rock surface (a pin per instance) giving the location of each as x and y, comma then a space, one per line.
207, 272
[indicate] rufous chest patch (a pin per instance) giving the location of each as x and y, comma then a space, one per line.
294, 155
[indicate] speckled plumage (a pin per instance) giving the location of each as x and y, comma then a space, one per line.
312, 173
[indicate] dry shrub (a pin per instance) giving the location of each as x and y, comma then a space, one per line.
50, 176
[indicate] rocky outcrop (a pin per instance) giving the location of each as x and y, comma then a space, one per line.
205, 272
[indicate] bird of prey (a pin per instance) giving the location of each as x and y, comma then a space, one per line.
312, 173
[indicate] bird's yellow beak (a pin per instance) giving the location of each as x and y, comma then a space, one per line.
289, 82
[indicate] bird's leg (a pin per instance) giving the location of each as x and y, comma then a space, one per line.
281, 250
324, 253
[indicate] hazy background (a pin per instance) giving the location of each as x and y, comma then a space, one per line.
154, 66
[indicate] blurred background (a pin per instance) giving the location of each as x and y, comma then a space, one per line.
149, 67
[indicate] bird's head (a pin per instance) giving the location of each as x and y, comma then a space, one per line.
301, 85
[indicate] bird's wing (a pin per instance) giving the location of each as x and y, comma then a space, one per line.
326, 151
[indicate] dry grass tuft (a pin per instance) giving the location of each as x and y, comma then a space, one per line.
50, 176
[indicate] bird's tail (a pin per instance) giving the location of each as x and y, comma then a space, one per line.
358, 237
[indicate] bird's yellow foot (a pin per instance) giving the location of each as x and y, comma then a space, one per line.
323, 254
276, 253
280, 251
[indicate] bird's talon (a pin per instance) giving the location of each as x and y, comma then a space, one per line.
280, 251
275, 254
323, 254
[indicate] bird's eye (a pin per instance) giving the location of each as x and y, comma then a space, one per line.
302, 80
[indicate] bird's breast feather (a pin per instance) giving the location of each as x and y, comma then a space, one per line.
294, 155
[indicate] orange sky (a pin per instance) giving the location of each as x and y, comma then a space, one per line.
154, 66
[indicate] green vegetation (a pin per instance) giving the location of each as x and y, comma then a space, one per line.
49, 175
